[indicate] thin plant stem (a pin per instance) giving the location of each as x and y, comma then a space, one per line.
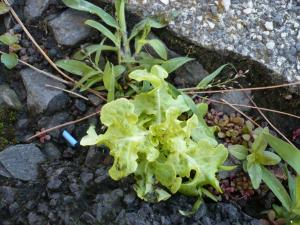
68, 91
270, 123
63, 125
195, 90
41, 71
252, 107
239, 111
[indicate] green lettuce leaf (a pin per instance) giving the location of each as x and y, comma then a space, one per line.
147, 138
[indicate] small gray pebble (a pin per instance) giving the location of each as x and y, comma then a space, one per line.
298, 47
293, 51
86, 177
278, 20
292, 59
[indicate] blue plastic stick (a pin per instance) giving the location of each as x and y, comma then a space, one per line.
70, 139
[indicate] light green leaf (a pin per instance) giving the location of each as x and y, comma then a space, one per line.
196, 206
90, 82
203, 109
209, 194
9, 60
238, 151
297, 192
120, 13
158, 100
147, 61
255, 173
260, 143
106, 32
205, 160
227, 168
173, 64
91, 138
147, 22
268, 158
3, 8
9, 39
75, 67
189, 102
291, 184
109, 81
124, 137
84, 81
86, 6
287, 152
156, 76
79, 55
280, 211
98, 52
159, 48
165, 173
119, 70
277, 188
93, 48
209, 78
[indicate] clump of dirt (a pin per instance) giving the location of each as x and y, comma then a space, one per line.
8, 118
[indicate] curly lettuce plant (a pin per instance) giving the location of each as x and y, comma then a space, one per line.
148, 139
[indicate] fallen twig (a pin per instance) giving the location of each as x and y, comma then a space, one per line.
42, 71
239, 111
252, 107
269, 122
195, 90
68, 91
63, 125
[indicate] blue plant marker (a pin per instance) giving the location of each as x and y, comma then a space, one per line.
70, 139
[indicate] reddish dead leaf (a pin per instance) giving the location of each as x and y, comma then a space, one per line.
296, 134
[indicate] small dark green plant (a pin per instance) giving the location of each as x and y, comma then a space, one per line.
255, 163
10, 60
290, 209
255, 157
128, 48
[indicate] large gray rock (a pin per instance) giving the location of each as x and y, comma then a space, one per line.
39, 96
233, 27
69, 27
35, 8
21, 161
240, 98
189, 75
9, 98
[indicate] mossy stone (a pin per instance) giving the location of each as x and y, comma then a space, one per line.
8, 119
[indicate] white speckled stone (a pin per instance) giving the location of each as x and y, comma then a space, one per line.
244, 27
270, 45
269, 25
